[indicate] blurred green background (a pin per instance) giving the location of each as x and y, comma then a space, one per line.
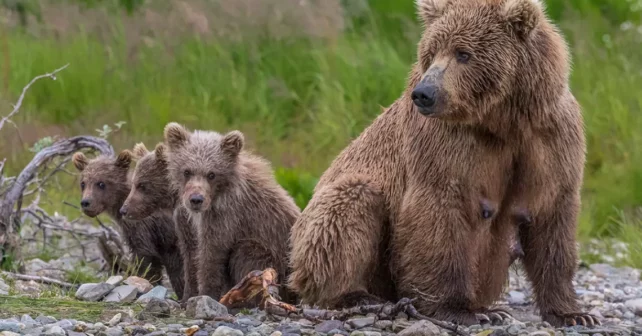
300, 78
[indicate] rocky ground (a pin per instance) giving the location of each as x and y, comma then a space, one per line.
612, 294
121, 305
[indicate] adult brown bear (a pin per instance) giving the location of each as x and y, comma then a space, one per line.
425, 200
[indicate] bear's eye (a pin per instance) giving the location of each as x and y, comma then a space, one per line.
187, 173
211, 176
140, 186
101, 185
462, 56
82, 185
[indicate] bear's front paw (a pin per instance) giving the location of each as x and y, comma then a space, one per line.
572, 319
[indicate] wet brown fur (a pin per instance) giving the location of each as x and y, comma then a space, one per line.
151, 193
397, 212
152, 240
245, 217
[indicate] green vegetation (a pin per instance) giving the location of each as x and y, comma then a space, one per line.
300, 100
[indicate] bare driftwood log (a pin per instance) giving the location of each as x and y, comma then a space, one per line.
41, 279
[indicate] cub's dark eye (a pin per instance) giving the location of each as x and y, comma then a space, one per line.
211, 176
82, 185
140, 187
187, 173
462, 56
101, 185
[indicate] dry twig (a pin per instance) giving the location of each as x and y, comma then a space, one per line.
41, 279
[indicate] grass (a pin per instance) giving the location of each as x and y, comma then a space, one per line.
301, 100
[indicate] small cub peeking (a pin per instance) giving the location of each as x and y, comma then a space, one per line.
105, 184
242, 215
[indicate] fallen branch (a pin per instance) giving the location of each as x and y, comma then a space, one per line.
41, 279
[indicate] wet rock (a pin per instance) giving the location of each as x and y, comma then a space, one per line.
11, 326
93, 292
65, 324
155, 308
122, 294
158, 292
227, 331
44, 320
143, 285
326, 326
421, 328
204, 307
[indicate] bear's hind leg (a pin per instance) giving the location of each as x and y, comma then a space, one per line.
335, 244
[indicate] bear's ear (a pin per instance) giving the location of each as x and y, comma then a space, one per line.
523, 15
140, 150
176, 135
431, 10
80, 161
232, 143
124, 159
161, 152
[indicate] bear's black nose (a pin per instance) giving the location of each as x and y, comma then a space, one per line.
424, 95
84, 203
196, 199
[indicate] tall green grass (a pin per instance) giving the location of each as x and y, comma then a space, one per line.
300, 101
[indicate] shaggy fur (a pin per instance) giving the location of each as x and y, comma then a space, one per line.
398, 211
105, 185
151, 193
242, 214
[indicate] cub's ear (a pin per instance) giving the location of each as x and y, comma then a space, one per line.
232, 143
80, 161
431, 10
523, 15
161, 152
124, 159
175, 135
139, 150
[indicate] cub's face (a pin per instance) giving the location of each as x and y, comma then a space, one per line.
201, 164
469, 55
151, 190
103, 181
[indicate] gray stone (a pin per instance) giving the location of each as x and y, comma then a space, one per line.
253, 333
516, 298
337, 332
539, 333
93, 292
289, 329
635, 306
28, 321
4, 288
421, 328
114, 280
65, 324
158, 292
174, 328
400, 324
204, 307
361, 322
10, 326
513, 330
227, 331
156, 333
37, 331
74, 333
383, 324
114, 331
194, 322
326, 326
155, 308
115, 320
249, 321
55, 331
44, 320
122, 294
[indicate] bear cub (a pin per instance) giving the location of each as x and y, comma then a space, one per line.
105, 184
242, 215
151, 193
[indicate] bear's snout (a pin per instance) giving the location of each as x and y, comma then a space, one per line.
424, 96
